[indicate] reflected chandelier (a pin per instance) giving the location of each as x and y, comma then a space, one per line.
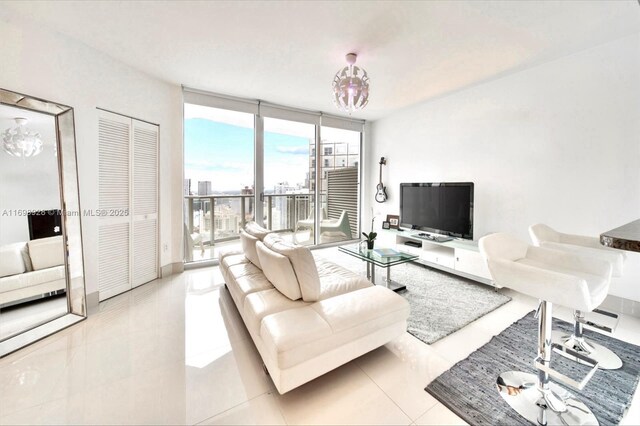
20, 142
351, 86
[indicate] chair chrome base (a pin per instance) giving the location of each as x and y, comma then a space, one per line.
556, 405
607, 359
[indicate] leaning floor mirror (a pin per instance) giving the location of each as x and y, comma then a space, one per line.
42, 287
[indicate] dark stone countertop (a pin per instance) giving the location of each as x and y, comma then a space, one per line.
626, 237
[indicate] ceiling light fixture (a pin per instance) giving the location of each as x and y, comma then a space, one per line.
20, 142
351, 86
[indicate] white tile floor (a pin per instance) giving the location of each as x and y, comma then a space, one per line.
175, 351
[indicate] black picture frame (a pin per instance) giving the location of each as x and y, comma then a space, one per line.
394, 221
386, 225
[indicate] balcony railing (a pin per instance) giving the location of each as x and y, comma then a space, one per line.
219, 218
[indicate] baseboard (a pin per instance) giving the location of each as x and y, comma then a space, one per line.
93, 301
170, 269
621, 306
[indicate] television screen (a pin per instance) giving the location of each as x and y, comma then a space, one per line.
444, 208
44, 223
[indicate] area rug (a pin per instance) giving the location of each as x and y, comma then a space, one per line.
469, 388
440, 303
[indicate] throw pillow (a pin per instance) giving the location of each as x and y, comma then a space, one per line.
256, 230
249, 248
303, 263
279, 271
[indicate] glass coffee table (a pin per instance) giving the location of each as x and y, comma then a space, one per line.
375, 258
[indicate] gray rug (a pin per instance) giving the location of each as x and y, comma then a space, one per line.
469, 388
440, 303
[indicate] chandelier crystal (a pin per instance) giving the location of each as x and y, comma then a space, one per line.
20, 142
351, 86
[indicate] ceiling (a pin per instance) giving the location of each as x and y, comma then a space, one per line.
288, 52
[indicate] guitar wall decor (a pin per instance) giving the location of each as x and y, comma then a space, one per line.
381, 190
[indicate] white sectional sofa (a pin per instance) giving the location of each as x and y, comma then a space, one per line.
31, 269
306, 318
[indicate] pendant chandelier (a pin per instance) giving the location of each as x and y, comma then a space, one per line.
351, 86
20, 142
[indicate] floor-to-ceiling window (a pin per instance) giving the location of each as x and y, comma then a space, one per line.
338, 182
246, 160
219, 178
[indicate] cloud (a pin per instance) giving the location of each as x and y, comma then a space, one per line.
295, 150
220, 166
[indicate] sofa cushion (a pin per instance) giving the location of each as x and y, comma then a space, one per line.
31, 279
11, 260
279, 271
249, 247
241, 287
46, 252
297, 335
263, 303
303, 264
234, 259
336, 280
256, 230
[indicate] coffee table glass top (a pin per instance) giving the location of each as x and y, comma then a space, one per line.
377, 256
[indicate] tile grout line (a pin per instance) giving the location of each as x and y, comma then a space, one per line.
385, 394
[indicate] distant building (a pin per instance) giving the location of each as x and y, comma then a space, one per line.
333, 155
204, 187
187, 187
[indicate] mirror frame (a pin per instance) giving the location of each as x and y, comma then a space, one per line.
71, 219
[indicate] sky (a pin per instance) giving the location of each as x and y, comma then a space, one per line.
223, 154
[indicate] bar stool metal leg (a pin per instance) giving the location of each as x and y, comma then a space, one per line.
607, 359
535, 397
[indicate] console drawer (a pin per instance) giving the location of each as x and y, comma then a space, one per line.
471, 262
440, 255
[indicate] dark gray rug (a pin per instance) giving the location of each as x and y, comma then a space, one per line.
440, 303
469, 388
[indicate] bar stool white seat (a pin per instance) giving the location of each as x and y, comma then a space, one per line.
552, 277
544, 236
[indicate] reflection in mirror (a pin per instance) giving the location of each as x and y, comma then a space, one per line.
39, 187
32, 265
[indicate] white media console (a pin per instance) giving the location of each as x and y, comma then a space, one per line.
459, 257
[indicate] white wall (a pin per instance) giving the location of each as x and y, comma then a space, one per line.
48, 65
558, 144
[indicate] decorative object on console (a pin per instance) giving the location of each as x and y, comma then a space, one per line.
20, 142
394, 221
386, 224
351, 86
381, 190
466, 388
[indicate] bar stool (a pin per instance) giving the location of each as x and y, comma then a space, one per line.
553, 277
544, 236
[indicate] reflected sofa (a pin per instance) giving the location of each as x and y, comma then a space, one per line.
306, 317
31, 269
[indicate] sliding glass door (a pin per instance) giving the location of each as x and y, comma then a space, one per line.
338, 182
289, 201
219, 182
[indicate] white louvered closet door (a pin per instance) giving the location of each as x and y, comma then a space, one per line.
114, 228
145, 203
128, 202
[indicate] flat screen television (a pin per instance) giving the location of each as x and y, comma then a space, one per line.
44, 223
441, 208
